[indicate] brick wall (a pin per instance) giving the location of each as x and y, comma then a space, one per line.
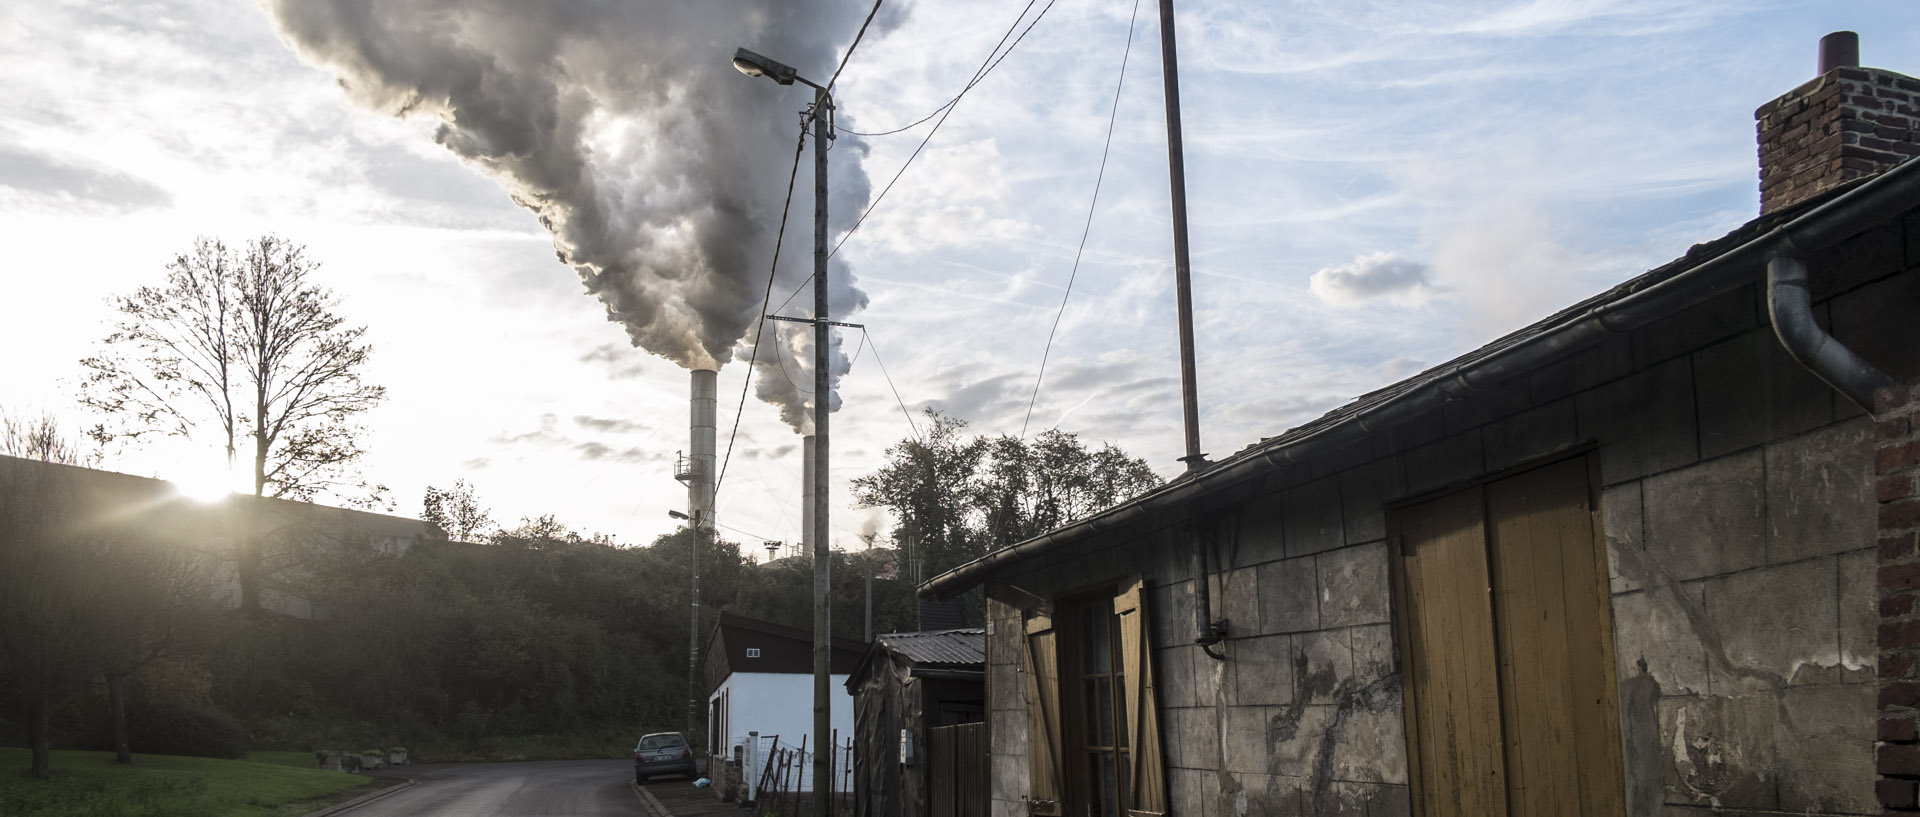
1897, 488
1847, 124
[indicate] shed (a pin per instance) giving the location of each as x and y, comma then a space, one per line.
906, 687
759, 679
1621, 561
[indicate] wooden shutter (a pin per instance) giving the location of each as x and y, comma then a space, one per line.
1148, 774
1044, 779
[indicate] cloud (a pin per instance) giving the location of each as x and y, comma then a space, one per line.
546, 433
63, 179
621, 362
612, 425
1379, 275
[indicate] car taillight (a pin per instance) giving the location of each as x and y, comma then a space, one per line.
686, 753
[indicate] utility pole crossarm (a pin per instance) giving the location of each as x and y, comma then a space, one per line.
816, 321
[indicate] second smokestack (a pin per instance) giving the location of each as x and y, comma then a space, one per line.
807, 490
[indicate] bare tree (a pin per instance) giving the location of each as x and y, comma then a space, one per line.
243, 349
42, 659
149, 593
39, 438
457, 511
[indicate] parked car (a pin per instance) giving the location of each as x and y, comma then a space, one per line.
662, 753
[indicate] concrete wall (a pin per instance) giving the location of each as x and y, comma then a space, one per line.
773, 703
1738, 507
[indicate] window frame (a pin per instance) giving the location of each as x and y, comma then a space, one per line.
1060, 777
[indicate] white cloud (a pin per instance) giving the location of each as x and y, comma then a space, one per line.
1375, 276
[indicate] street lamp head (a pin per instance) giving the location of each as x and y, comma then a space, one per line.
679, 515
755, 65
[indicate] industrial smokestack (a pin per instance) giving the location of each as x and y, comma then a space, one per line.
807, 490
700, 462
621, 129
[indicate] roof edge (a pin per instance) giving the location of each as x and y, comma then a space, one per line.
1815, 226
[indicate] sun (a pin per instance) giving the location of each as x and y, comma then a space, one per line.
207, 484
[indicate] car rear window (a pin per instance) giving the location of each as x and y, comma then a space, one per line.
662, 742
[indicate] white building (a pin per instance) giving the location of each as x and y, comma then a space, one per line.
760, 680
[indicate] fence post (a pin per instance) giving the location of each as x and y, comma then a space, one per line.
749, 769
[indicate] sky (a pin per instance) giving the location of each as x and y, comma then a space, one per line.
1373, 188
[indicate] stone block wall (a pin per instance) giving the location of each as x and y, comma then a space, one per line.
1743, 626
1897, 490
1738, 503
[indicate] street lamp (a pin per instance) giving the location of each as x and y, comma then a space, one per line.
755, 65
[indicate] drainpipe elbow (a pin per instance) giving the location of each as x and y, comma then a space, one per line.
1790, 307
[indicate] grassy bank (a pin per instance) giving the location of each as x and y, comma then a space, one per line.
90, 784
584, 745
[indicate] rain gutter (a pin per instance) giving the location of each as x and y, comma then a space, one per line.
1781, 251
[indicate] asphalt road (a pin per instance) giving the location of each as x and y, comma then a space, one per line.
559, 788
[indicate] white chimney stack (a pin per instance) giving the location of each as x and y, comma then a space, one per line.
701, 464
806, 494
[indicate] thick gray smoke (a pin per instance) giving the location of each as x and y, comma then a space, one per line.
658, 169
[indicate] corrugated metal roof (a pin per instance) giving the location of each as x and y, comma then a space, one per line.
963, 647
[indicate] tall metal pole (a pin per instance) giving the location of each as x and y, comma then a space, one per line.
822, 392
693, 648
1182, 269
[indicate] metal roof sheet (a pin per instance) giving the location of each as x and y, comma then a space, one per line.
962, 647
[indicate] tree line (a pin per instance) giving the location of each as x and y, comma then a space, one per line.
113, 634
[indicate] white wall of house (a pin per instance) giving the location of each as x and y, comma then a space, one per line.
779, 703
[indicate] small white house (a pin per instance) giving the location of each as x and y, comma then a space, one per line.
760, 680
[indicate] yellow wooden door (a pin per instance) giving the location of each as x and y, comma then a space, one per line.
1453, 701
1555, 641
1508, 648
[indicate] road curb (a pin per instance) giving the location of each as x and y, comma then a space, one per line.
646, 798
364, 799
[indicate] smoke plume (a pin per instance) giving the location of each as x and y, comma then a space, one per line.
623, 127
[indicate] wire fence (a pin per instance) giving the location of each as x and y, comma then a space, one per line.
785, 785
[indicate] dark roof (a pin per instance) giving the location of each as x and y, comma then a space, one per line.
942, 614
955, 648
1706, 270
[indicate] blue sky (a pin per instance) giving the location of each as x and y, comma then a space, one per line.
1373, 189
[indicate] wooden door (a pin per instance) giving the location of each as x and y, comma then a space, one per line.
1555, 638
1508, 648
1453, 701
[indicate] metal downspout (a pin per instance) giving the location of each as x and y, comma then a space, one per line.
1790, 305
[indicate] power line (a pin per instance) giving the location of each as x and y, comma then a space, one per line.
1113, 116
985, 68
856, 44
916, 123
782, 360
993, 60
883, 373
760, 326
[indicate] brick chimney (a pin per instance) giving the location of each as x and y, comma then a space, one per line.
1847, 123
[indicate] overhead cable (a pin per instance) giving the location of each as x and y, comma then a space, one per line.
1113, 117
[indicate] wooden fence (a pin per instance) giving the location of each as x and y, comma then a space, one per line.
957, 770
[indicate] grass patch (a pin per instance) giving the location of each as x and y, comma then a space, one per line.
90, 784
298, 760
